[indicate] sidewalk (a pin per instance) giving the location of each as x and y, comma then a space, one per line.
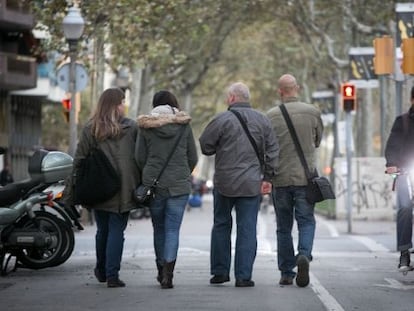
72, 286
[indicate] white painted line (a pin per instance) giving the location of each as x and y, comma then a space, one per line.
395, 285
331, 228
371, 244
327, 299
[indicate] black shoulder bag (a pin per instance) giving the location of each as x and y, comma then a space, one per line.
251, 139
319, 187
144, 194
95, 179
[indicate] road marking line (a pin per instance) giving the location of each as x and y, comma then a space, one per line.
327, 299
331, 228
392, 283
371, 244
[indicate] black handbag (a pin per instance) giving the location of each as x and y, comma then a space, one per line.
95, 179
143, 194
318, 188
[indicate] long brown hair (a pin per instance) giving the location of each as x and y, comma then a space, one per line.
105, 121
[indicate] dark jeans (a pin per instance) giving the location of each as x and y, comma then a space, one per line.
109, 241
290, 203
246, 241
404, 213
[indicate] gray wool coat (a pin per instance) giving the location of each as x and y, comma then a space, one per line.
120, 152
237, 168
156, 139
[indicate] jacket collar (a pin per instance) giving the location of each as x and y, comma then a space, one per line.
153, 121
290, 99
240, 105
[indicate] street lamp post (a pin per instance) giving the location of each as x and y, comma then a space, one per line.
73, 25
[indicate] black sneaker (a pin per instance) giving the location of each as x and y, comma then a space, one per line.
99, 276
404, 264
115, 283
286, 280
302, 278
244, 283
219, 279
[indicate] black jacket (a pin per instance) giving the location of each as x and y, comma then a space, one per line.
399, 150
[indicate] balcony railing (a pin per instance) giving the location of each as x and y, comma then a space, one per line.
17, 71
16, 14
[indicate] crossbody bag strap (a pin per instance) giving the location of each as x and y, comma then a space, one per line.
251, 139
180, 134
295, 140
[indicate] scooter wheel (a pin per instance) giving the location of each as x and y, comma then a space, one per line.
39, 258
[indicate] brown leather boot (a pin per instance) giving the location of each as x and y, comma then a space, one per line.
159, 276
167, 274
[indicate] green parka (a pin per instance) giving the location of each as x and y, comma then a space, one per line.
309, 128
120, 152
156, 139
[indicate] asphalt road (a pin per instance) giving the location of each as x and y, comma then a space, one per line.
354, 271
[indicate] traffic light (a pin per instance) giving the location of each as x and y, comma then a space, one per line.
384, 58
407, 49
66, 105
348, 92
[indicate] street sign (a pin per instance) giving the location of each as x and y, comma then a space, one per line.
324, 100
405, 25
361, 63
81, 77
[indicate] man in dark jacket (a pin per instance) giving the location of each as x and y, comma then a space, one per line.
239, 180
399, 154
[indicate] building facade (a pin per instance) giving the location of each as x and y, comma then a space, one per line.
20, 115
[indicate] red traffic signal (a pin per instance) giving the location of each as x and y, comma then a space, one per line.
66, 105
348, 93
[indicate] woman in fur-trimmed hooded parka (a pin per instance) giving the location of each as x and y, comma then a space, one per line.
157, 136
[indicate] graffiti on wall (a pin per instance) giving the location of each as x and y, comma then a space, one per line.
372, 195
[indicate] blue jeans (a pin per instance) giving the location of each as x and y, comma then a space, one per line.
247, 209
167, 215
290, 203
404, 214
109, 242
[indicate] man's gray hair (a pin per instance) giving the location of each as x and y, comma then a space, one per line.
240, 91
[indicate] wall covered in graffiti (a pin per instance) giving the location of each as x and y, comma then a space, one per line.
372, 195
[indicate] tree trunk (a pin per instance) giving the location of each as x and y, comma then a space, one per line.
135, 92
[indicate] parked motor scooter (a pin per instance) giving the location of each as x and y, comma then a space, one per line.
36, 237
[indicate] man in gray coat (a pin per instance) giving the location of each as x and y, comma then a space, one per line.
290, 182
241, 176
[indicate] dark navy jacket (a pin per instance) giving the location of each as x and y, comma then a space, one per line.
399, 150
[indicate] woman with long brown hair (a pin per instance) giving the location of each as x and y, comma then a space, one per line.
115, 135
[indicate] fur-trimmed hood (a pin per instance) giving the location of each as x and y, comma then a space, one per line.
159, 120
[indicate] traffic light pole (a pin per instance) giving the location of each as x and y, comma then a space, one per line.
382, 87
398, 96
348, 138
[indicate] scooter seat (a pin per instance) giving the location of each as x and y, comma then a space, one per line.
12, 193
8, 215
